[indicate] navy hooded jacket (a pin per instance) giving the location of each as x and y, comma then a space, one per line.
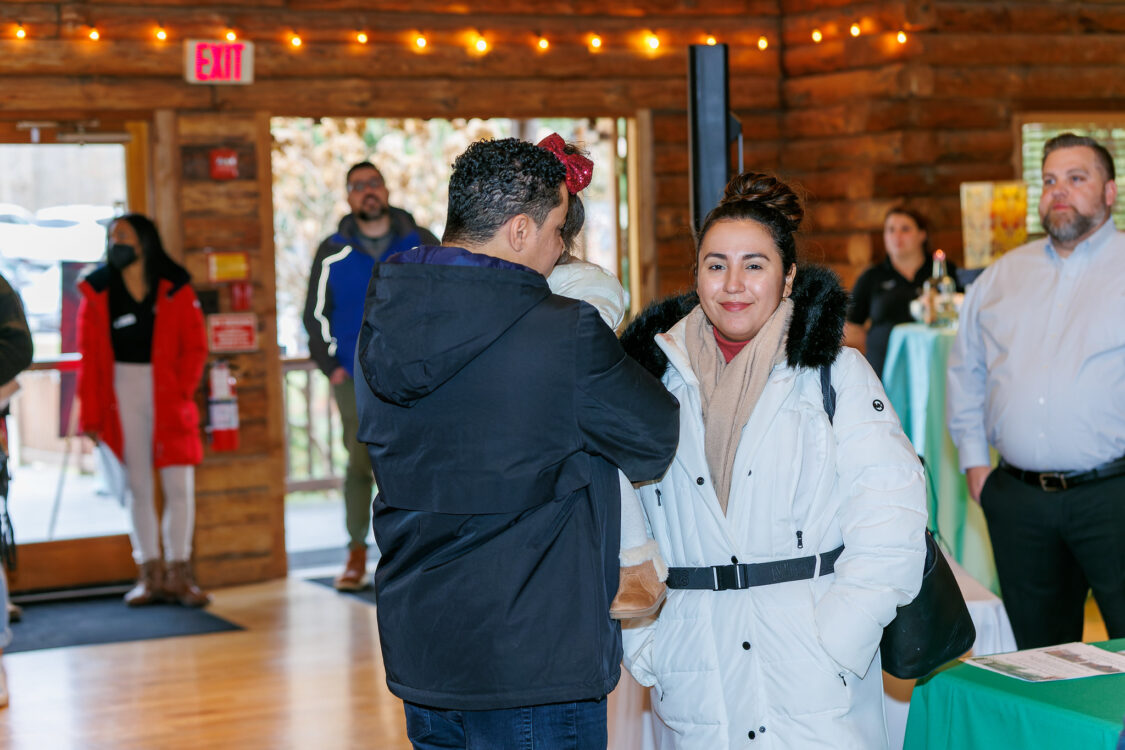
495, 414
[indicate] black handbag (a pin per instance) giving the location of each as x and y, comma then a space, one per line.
935, 627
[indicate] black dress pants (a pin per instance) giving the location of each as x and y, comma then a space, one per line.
1051, 549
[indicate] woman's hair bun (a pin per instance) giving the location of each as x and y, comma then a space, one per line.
767, 190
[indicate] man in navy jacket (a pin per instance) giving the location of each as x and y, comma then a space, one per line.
495, 414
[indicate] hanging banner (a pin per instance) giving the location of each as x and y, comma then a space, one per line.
218, 62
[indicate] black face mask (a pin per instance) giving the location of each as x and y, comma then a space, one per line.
121, 255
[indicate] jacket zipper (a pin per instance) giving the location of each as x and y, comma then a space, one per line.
658, 498
843, 680
800, 541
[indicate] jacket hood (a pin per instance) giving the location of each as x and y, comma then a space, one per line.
815, 333
432, 310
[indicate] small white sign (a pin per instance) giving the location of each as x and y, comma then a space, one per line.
220, 62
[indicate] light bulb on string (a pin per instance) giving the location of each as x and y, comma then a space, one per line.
817, 36
21, 32
295, 40
595, 42
711, 41
763, 43
94, 35
361, 37
652, 41
161, 34
854, 30
481, 44
901, 37
231, 36
419, 41
543, 44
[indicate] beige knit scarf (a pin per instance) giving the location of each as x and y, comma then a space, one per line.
729, 391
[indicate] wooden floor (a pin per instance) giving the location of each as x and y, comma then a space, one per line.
306, 673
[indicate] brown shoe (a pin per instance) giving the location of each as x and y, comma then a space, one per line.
354, 577
150, 585
180, 586
640, 592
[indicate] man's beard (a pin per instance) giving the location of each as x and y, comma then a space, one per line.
376, 213
1066, 231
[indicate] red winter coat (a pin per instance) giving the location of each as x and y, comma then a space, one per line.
179, 351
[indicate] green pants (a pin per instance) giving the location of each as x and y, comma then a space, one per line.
358, 480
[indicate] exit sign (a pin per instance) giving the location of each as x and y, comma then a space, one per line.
218, 62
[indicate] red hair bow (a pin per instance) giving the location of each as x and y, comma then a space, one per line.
579, 169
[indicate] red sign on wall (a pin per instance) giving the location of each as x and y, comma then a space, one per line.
224, 163
207, 61
232, 332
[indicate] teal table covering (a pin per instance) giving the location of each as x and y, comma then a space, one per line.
914, 378
968, 708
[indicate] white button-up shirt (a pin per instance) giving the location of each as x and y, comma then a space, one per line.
1038, 367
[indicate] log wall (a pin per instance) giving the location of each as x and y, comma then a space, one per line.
860, 123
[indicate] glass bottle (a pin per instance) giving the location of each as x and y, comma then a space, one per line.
938, 291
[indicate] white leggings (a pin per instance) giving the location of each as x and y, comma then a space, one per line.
133, 386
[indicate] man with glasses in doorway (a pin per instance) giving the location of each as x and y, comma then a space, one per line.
371, 233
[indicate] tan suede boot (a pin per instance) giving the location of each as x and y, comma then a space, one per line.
180, 586
354, 577
150, 585
640, 588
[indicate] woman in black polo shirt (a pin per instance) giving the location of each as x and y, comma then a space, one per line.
882, 295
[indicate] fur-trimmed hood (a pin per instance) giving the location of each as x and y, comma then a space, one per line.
815, 333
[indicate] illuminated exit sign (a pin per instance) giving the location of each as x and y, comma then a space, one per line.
218, 62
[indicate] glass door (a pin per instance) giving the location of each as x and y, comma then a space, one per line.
61, 185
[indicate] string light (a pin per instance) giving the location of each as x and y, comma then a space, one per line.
94, 34
817, 36
231, 36
763, 43
419, 41
712, 41
481, 44
652, 41
295, 40
21, 33
854, 30
161, 34
901, 37
595, 42
543, 44
361, 37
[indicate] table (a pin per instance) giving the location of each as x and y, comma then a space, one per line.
994, 636
914, 379
963, 708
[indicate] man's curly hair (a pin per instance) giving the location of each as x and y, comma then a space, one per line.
494, 181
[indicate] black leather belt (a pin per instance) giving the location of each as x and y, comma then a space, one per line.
1053, 481
745, 575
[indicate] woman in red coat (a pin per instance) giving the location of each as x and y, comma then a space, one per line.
143, 346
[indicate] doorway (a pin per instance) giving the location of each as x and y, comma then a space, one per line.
62, 185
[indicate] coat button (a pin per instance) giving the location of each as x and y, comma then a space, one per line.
762, 730
699, 480
734, 559
746, 645
877, 405
751, 734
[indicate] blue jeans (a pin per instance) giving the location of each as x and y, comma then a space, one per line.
555, 726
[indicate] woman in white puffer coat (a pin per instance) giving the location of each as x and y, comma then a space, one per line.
791, 538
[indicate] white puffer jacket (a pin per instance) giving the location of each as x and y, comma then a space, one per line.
790, 665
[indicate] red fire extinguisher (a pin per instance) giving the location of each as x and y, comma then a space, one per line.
222, 408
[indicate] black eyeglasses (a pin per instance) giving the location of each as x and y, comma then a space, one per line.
373, 184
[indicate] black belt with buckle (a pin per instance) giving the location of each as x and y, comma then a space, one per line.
1053, 481
745, 575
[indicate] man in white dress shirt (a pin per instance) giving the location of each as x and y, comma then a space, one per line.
1038, 373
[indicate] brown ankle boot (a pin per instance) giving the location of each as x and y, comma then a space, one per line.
354, 577
180, 586
150, 585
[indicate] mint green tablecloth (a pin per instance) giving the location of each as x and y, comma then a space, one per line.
914, 378
966, 708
